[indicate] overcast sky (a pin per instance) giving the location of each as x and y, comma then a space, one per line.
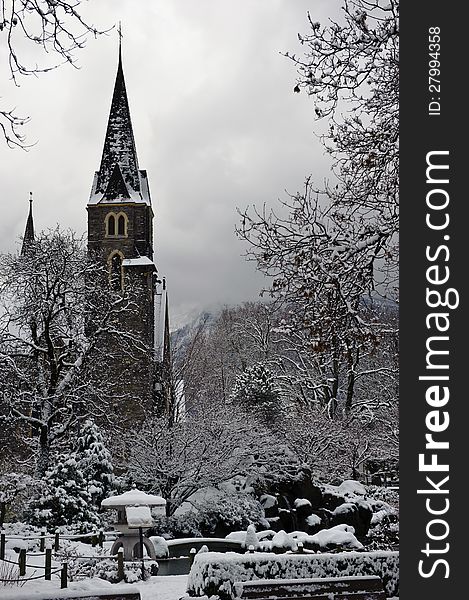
216, 124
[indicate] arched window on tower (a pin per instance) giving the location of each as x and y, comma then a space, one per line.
121, 225
116, 272
111, 225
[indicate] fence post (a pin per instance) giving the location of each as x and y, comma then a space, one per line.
94, 539
2, 544
101, 538
22, 562
48, 563
64, 576
57, 541
192, 553
42, 543
120, 564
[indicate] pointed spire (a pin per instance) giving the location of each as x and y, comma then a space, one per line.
28, 237
119, 145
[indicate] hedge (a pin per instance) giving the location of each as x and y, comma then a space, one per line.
214, 573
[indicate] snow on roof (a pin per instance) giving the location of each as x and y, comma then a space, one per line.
133, 498
138, 516
140, 261
137, 197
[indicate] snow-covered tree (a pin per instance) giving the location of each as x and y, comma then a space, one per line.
58, 319
211, 445
12, 485
65, 499
211, 354
55, 27
95, 462
341, 447
350, 70
255, 390
329, 249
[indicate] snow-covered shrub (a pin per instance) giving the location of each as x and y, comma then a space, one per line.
186, 525
14, 491
212, 517
79, 566
95, 462
378, 493
313, 520
18, 530
384, 531
251, 539
107, 570
341, 536
229, 512
65, 499
255, 390
351, 488
282, 541
216, 573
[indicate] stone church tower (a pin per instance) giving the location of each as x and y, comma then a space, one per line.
120, 233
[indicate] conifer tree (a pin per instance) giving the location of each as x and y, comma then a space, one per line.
95, 462
65, 499
255, 390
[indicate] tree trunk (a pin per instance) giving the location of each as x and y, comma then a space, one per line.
352, 366
44, 452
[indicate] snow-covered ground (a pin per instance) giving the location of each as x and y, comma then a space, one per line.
156, 588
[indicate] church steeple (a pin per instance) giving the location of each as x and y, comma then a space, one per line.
28, 237
119, 177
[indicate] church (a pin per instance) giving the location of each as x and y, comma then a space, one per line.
120, 236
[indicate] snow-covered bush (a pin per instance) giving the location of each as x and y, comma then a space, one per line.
255, 390
340, 536
282, 541
95, 462
351, 488
80, 563
214, 573
186, 525
229, 512
251, 539
14, 489
17, 530
65, 499
107, 570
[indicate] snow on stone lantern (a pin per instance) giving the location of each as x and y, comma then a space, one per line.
134, 515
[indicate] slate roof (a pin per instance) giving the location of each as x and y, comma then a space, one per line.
119, 178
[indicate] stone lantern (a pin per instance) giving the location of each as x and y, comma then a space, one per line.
133, 515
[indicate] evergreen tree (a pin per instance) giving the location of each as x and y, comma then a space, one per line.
255, 390
65, 499
95, 462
